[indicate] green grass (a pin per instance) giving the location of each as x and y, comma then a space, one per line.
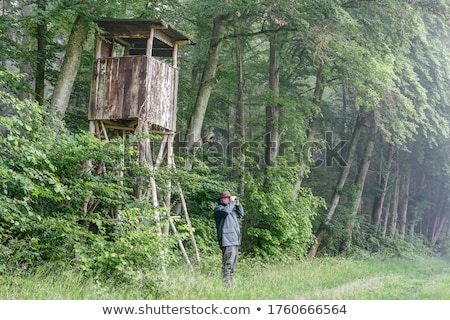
324, 279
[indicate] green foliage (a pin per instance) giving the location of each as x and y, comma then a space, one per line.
28, 180
135, 255
279, 220
388, 247
46, 182
337, 234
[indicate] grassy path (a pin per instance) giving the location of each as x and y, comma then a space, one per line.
323, 279
327, 279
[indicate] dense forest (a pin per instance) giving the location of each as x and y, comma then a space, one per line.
329, 119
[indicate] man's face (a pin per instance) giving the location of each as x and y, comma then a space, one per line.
225, 200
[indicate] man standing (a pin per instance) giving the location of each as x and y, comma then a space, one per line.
226, 215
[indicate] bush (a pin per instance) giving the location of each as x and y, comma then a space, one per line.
53, 209
137, 255
278, 222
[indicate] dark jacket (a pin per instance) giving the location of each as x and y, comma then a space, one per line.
227, 224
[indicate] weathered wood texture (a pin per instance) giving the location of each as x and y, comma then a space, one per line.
163, 95
134, 87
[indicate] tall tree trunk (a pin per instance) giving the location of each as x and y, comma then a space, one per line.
441, 221
41, 34
418, 184
339, 186
361, 179
392, 224
383, 186
239, 127
403, 205
316, 100
22, 37
208, 81
387, 215
69, 70
273, 111
439, 215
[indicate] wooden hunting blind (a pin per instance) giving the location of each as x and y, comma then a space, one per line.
134, 90
132, 78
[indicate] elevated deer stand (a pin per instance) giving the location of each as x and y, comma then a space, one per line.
133, 91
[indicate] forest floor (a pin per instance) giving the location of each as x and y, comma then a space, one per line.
322, 279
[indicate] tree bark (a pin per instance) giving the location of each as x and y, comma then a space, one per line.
392, 225
383, 185
345, 170
316, 100
69, 69
441, 221
208, 81
317, 97
41, 34
386, 216
403, 205
339, 186
273, 110
439, 216
361, 179
239, 127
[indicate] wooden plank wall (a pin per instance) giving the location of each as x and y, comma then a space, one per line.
119, 90
163, 89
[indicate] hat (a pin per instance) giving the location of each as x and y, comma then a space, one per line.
225, 194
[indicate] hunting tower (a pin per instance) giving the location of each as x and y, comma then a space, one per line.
134, 90
135, 75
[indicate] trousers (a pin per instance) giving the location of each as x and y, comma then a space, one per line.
229, 262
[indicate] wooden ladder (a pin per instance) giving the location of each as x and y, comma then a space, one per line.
162, 212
